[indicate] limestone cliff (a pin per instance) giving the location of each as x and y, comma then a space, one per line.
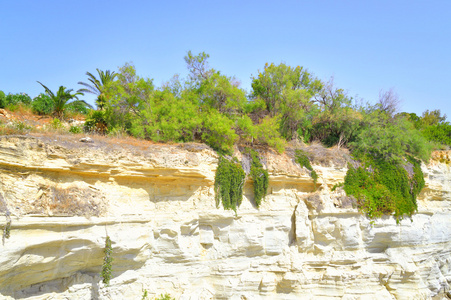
157, 205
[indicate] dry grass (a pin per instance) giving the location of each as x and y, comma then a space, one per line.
71, 201
318, 154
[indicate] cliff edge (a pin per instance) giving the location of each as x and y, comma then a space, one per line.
59, 200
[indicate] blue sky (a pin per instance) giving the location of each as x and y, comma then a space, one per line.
367, 46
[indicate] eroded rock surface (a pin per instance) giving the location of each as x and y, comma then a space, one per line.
157, 205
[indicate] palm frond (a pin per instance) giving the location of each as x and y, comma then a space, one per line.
81, 102
88, 88
47, 90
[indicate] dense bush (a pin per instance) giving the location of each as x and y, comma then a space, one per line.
439, 133
2, 99
384, 187
12, 101
96, 122
42, 104
260, 178
229, 181
389, 138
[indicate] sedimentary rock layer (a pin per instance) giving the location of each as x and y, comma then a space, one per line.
157, 205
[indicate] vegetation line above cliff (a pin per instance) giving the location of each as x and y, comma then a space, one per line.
285, 103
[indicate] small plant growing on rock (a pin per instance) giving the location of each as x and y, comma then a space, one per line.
229, 181
165, 297
75, 129
302, 159
107, 262
7, 229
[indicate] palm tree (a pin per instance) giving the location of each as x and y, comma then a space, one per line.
61, 99
97, 87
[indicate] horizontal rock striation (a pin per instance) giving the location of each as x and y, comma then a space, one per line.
157, 205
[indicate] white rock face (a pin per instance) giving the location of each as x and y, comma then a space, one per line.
157, 206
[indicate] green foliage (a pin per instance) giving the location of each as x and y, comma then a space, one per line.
12, 101
384, 187
78, 107
336, 186
96, 122
267, 134
165, 297
75, 129
61, 100
7, 228
218, 132
259, 177
42, 105
97, 87
271, 84
229, 181
2, 99
440, 133
302, 159
168, 118
222, 93
197, 66
389, 138
106, 273
16, 99
56, 124
126, 98
21, 126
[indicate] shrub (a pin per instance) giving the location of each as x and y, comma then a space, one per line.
42, 105
229, 181
302, 159
2, 99
16, 99
107, 261
218, 132
96, 122
77, 108
75, 129
21, 126
267, 132
383, 187
165, 297
440, 133
56, 124
260, 178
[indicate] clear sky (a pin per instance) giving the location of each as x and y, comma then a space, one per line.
367, 46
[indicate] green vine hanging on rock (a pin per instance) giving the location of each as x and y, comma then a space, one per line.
229, 181
259, 177
302, 159
7, 229
385, 187
107, 262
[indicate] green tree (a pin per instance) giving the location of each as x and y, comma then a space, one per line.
97, 86
42, 104
270, 84
63, 99
198, 67
127, 97
389, 138
433, 117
